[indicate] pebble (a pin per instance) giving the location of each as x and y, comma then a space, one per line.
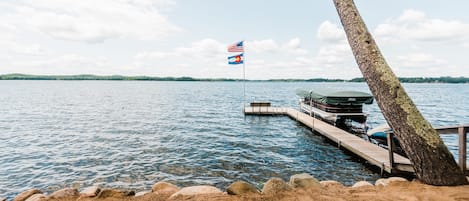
26, 194
275, 185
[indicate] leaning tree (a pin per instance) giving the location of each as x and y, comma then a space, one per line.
431, 159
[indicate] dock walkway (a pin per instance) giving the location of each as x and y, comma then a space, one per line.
374, 154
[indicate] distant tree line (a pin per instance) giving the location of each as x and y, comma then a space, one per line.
425, 80
17, 76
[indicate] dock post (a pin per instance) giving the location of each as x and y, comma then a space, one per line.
390, 136
462, 131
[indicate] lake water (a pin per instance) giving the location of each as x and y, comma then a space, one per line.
131, 134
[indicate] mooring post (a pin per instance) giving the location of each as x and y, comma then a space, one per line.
390, 136
462, 131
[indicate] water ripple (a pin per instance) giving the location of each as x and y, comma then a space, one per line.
133, 134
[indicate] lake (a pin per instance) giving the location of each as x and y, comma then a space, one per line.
131, 134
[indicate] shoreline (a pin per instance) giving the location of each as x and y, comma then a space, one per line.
81, 77
300, 187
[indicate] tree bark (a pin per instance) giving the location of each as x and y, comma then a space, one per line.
431, 159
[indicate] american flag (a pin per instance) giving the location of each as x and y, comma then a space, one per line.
236, 47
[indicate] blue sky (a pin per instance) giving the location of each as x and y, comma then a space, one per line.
284, 39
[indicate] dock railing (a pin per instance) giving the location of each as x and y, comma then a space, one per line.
462, 139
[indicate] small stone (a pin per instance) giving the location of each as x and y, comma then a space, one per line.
36, 197
26, 194
330, 183
142, 193
303, 181
275, 185
65, 193
91, 191
361, 184
197, 190
387, 181
164, 188
241, 187
115, 193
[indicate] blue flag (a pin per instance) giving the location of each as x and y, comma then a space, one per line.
236, 59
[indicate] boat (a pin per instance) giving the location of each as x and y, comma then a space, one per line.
378, 136
339, 108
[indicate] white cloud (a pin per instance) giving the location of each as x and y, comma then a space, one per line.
93, 21
420, 60
65, 64
336, 50
260, 46
415, 25
329, 32
208, 58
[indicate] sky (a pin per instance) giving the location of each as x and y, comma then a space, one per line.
298, 39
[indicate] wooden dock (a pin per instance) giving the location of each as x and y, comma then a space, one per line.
374, 154
383, 158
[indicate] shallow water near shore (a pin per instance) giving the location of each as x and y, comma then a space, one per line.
130, 134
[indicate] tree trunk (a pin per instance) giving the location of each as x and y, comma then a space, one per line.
431, 159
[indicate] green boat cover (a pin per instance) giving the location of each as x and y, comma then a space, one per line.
336, 97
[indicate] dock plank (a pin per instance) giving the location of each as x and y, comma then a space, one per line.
374, 154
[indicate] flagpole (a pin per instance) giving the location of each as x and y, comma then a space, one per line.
244, 78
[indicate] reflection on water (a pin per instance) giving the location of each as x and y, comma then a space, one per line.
132, 134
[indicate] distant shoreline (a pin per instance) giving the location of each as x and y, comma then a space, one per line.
17, 76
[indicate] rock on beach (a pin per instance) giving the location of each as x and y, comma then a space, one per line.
115, 193
387, 181
241, 187
361, 184
164, 188
197, 190
65, 193
275, 185
36, 197
303, 181
26, 194
91, 191
331, 183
